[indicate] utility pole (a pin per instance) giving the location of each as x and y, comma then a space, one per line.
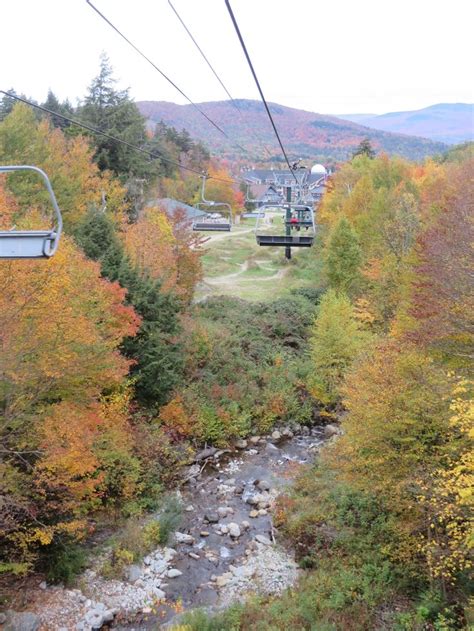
288, 225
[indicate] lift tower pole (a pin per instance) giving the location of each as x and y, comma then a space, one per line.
287, 221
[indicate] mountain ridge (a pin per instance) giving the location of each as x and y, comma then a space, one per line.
304, 134
451, 123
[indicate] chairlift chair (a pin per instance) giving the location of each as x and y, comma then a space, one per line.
31, 244
212, 224
207, 223
283, 235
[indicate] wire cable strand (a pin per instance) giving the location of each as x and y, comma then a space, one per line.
153, 154
164, 75
203, 55
212, 68
249, 61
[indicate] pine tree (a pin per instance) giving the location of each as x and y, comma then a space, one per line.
364, 149
158, 355
52, 103
344, 257
112, 111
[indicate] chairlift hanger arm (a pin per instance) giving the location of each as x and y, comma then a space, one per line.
51, 237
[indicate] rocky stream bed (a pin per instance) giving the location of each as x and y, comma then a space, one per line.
226, 547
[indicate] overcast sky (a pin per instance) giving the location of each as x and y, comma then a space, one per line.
333, 56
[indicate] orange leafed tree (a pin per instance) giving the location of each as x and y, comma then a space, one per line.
61, 325
75, 178
151, 245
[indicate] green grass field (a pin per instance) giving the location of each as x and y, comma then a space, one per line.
234, 265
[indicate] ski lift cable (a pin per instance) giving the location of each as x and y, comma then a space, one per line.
249, 61
203, 55
153, 154
164, 75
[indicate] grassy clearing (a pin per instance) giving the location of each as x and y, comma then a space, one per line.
234, 265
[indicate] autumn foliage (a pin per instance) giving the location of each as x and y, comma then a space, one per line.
389, 505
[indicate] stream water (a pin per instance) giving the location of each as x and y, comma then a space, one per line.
231, 483
225, 549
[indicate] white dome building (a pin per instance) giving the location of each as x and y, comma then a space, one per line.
318, 169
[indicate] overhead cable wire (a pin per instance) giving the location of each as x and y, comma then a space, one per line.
153, 154
164, 75
211, 67
203, 55
249, 61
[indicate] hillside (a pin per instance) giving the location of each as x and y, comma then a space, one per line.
304, 134
445, 122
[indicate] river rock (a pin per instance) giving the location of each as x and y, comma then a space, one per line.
194, 556
173, 573
263, 485
253, 513
252, 500
305, 431
211, 518
21, 621
221, 581
241, 444
159, 594
220, 452
205, 453
224, 552
204, 533
255, 440
276, 435
287, 433
224, 529
225, 489
193, 471
330, 430
223, 511
234, 530
169, 554
264, 540
95, 618
271, 450
245, 525
159, 566
182, 537
133, 573
189, 509
262, 511
242, 571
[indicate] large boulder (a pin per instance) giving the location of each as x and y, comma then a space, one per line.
21, 621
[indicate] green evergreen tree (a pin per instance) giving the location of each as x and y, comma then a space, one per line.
158, 355
343, 257
364, 149
112, 111
52, 103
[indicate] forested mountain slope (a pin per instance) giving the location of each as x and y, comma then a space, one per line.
304, 134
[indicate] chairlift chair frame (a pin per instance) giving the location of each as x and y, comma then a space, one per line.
206, 225
32, 244
289, 240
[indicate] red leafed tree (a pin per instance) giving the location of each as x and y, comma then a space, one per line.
443, 294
